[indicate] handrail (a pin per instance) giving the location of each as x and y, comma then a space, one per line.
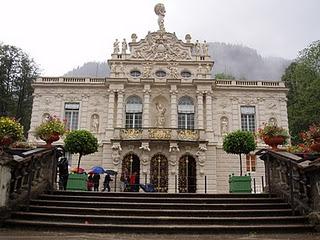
292, 177
29, 173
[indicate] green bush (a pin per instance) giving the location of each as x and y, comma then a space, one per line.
82, 142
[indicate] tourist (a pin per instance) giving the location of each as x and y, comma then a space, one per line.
106, 183
96, 179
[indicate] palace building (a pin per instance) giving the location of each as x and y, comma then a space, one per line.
161, 115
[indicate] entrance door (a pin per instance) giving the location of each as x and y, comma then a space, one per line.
159, 172
187, 174
131, 165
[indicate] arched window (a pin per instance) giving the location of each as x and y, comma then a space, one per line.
185, 113
134, 112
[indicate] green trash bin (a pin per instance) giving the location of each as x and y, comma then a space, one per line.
77, 182
240, 184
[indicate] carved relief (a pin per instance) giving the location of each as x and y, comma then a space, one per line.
273, 121
161, 115
161, 46
201, 154
116, 151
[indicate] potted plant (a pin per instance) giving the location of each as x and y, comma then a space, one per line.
239, 142
50, 130
82, 142
10, 131
311, 137
273, 135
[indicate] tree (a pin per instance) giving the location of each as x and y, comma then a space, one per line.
82, 142
17, 72
239, 142
302, 78
224, 76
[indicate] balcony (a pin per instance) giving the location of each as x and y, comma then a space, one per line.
159, 134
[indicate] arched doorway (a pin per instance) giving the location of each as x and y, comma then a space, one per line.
159, 172
187, 174
131, 165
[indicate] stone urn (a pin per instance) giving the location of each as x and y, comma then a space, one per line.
274, 141
52, 138
315, 146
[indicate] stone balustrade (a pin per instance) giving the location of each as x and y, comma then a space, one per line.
159, 134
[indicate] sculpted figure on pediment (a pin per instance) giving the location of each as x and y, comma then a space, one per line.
116, 47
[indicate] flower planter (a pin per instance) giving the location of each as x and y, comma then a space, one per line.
274, 141
77, 182
240, 184
315, 147
53, 138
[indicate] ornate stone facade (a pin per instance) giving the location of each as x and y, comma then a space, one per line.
161, 114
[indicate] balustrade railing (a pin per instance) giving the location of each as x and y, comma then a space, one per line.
26, 174
293, 178
157, 134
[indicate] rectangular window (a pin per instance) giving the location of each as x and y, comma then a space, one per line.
248, 119
71, 114
251, 161
186, 121
133, 120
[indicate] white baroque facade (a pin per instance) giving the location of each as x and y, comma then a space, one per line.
161, 114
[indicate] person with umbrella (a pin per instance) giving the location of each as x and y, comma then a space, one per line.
106, 183
96, 180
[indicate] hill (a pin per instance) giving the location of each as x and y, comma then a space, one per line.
240, 61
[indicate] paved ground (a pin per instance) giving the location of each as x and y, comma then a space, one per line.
9, 234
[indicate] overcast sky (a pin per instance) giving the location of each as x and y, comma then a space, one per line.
62, 34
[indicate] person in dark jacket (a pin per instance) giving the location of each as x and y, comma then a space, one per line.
96, 180
63, 173
106, 183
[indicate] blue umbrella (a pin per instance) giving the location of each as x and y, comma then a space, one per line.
110, 172
97, 170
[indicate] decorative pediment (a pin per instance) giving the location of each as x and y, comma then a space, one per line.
161, 46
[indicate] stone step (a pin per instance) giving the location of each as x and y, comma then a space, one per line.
142, 199
159, 212
162, 195
144, 206
178, 220
156, 228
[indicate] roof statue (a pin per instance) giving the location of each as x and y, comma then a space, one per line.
160, 11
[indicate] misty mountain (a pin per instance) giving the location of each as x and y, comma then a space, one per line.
237, 60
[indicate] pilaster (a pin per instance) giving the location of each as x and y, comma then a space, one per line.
200, 109
173, 107
146, 106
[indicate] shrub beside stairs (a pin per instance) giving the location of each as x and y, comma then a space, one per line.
159, 213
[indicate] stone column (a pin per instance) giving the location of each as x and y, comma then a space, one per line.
120, 109
5, 177
109, 130
200, 109
146, 106
209, 120
173, 107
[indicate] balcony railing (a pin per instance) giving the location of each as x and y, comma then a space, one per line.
158, 134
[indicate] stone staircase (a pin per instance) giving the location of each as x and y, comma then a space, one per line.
159, 213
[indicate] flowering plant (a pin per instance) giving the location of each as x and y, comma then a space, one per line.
272, 130
312, 135
10, 130
51, 126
